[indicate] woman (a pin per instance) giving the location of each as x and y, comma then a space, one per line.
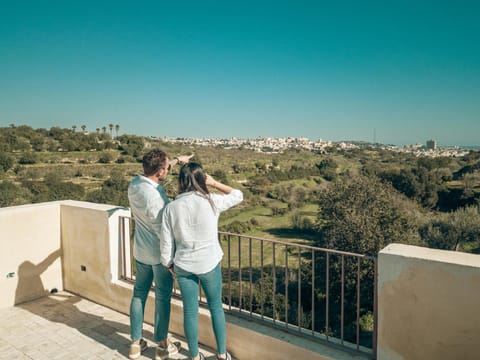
189, 240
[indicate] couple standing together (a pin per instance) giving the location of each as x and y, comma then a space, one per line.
177, 239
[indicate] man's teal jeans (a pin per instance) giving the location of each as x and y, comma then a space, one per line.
145, 275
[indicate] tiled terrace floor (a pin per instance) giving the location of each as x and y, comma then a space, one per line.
66, 326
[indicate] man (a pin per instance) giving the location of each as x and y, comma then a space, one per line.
147, 199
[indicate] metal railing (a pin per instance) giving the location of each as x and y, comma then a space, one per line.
310, 291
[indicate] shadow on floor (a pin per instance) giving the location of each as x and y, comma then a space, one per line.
62, 308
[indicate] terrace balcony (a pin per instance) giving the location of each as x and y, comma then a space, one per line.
65, 285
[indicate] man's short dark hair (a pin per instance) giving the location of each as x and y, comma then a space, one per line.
153, 160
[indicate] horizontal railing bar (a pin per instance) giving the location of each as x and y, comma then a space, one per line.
306, 247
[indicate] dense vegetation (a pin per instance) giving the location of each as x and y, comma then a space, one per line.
357, 200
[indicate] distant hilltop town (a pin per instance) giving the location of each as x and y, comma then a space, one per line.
276, 145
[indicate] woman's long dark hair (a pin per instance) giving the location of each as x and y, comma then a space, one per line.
193, 178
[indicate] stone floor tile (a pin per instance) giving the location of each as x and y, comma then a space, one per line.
65, 326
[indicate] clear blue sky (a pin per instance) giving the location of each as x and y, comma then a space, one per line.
406, 71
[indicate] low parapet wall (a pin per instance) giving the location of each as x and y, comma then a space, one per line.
428, 304
30, 252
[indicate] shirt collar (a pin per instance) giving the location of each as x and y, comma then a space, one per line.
149, 180
185, 194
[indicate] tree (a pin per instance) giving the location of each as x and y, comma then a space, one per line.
84, 127
432, 163
69, 145
328, 168
65, 190
37, 143
114, 191
418, 183
360, 215
6, 161
458, 230
110, 126
131, 145
117, 128
12, 194
404, 181
470, 180
431, 186
10, 141
301, 222
363, 215
38, 189
56, 132
52, 145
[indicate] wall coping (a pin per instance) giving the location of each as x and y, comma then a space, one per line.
444, 256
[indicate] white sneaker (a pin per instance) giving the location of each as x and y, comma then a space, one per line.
137, 349
162, 353
228, 357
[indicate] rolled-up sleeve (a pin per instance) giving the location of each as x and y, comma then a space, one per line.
226, 201
167, 240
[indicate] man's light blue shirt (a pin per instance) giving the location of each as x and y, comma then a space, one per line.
147, 201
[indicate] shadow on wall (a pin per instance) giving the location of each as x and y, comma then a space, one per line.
30, 285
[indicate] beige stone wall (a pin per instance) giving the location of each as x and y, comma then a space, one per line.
30, 252
86, 252
428, 304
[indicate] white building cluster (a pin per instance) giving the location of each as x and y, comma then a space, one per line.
421, 151
264, 144
277, 145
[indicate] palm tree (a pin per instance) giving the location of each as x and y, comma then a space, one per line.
74, 127
117, 127
104, 129
83, 127
111, 129
97, 130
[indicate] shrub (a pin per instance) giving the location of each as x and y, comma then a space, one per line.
105, 158
28, 158
6, 161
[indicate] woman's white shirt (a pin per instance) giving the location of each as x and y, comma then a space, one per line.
189, 234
